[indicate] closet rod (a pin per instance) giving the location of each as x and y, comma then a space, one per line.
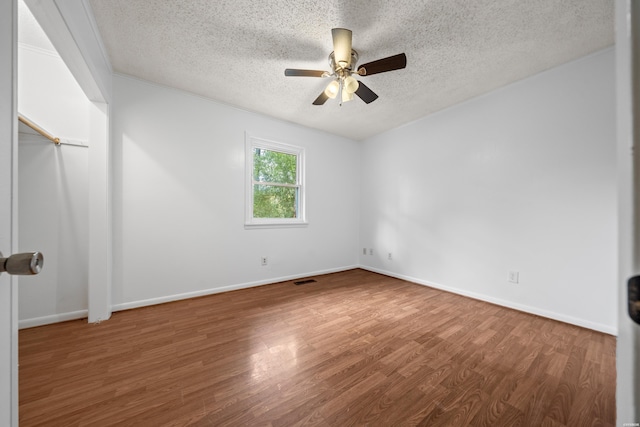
39, 129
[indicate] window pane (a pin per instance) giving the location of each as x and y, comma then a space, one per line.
273, 166
271, 201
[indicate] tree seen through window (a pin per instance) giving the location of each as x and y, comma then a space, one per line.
275, 184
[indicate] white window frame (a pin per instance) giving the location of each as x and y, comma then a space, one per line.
252, 142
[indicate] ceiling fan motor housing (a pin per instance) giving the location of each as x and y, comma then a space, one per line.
338, 69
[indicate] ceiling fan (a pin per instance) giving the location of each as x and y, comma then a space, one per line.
343, 60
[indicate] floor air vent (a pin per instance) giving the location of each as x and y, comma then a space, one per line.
304, 282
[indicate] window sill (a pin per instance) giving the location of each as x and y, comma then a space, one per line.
252, 226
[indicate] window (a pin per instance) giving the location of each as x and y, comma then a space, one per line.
275, 189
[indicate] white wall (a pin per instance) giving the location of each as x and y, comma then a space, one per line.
178, 200
49, 95
521, 179
52, 190
53, 218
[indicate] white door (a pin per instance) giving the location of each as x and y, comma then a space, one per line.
628, 118
8, 147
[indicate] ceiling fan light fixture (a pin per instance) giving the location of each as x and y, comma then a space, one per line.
343, 62
347, 96
342, 46
350, 85
332, 89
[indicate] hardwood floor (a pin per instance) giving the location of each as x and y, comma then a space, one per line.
354, 348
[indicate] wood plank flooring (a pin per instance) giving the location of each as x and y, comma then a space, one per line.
354, 348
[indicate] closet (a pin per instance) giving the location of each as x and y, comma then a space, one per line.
53, 218
53, 180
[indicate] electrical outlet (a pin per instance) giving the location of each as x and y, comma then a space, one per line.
370, 251
390, 257
264, 261
514, 276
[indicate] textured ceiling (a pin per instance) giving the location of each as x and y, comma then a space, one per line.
235, 51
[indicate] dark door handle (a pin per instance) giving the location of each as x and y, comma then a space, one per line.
633, 298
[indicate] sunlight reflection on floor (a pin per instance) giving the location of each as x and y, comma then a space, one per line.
278, 359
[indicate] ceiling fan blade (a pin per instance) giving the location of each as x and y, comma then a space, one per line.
366, 94
304, 73
395, 62
342, 46
321, 99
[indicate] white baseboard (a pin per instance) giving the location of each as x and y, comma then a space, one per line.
81, 314
204, 292
504, 303
54, 318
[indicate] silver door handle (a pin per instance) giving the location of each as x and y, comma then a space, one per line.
23, 264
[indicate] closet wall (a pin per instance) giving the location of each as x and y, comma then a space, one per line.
52, 189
